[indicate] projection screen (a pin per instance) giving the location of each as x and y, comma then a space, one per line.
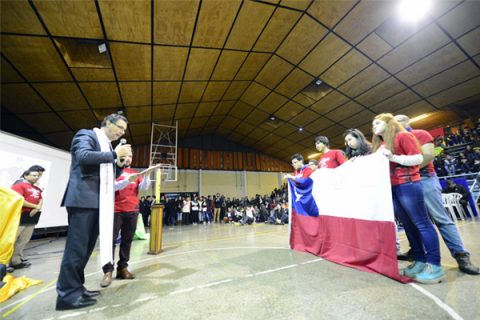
17, 154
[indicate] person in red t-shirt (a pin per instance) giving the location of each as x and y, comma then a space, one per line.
433, 199
313, 164
30, 214
329, 158
403, 151
301, 171
126, 211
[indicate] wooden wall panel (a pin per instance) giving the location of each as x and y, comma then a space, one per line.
179, 157
218, 160
188, 158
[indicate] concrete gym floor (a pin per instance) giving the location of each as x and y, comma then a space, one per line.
246, 272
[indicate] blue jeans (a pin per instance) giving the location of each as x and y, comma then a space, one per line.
409, 205
433, 201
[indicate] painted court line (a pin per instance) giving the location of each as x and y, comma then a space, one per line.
143, 299
275, 270
71, 315
439, 302
207, 285
43, 290
97, 309
214, 284
311, 261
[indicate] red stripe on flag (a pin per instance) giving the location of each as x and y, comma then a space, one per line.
361, 244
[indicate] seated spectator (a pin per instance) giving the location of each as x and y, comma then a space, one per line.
464, 163
262, 213
470, 153
450, 165
283, 214
248, 216
476, 165
453, 187
439, 146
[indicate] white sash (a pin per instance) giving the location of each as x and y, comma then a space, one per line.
106, 204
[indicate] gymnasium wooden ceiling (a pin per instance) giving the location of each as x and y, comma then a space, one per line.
224, 67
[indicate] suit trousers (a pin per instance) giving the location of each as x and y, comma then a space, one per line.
81, 239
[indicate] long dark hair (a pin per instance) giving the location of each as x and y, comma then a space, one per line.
364, 147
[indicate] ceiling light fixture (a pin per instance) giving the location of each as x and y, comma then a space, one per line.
102, 48
420, 117
413, 10
272, 117
300, 129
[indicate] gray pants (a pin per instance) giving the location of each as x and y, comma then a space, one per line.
23, 237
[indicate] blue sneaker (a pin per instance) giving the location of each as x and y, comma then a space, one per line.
415, 268
431, 274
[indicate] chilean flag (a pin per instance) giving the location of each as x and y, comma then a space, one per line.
345, 215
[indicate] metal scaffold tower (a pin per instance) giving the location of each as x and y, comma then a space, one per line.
163, 150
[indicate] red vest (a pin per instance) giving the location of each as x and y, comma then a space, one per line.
126, 200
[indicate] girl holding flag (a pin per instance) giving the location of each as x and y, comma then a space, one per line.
356, 144
403, 151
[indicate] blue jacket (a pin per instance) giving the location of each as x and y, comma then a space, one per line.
83, 186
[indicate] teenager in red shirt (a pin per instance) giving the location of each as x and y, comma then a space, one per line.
329, 158
433, 199
301, 171
126, 211
403, 151
30, 214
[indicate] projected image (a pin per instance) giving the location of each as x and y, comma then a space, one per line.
13, 165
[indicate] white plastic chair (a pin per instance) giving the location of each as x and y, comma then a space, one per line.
455, 201
448, 206
451, 202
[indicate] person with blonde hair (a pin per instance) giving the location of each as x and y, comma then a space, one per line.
403, 151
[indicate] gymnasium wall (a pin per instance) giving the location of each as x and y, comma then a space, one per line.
229, 183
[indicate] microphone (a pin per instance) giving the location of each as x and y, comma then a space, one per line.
122, 141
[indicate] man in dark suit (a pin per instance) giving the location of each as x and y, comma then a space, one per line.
82, 201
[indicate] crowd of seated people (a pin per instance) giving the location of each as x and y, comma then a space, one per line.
458, 153
193, 210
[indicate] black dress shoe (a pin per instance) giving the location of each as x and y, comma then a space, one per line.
90, 293
21, 265
81, 302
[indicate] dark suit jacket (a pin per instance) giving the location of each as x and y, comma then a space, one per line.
84, 183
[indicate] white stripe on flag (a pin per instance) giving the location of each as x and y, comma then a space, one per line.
358, 189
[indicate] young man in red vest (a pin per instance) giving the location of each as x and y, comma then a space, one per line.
127, 186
